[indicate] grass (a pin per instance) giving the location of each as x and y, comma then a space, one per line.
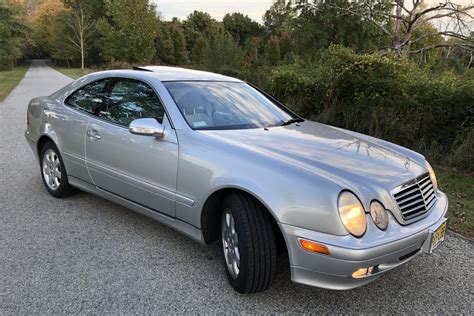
460, 190
9, 79
73, 72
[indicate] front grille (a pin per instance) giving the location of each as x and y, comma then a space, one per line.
416, 197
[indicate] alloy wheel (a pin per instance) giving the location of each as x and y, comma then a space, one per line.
230, 243
52, 169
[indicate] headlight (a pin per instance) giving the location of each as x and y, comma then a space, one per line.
379, 215
352, 213
432, 176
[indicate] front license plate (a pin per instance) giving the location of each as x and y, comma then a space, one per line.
438, 236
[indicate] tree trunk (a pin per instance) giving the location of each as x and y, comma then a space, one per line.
82, 53
397, 29
82, 38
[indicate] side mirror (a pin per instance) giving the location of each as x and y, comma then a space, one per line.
147, 127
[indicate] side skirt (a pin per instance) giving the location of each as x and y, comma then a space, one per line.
176, 224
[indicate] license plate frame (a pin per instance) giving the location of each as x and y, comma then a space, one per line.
438, 236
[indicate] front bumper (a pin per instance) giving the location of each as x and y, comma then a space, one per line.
384, 250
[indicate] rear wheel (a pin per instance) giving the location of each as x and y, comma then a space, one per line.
248, 244
53, 172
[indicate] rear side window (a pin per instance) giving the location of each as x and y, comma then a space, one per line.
118, 100
90, 97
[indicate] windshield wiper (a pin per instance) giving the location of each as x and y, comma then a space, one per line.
291, 121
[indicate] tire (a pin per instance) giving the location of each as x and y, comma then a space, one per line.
54, 173
253, 249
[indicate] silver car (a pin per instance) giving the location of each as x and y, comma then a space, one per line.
218, 159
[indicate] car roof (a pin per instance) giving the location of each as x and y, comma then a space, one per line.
164, 73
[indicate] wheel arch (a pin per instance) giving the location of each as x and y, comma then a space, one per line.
42, 141
211, 210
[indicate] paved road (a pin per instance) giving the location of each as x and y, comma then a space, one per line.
87, 255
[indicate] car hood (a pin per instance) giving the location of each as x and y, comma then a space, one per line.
342, 156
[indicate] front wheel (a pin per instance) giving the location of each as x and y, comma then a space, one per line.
248, 244
53, 172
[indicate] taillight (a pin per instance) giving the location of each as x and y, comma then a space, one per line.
27, 119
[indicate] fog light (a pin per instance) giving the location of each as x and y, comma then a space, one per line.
314, 247
360, 273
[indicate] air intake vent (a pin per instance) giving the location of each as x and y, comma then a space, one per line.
416, 197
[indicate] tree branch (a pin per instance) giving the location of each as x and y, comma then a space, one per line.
445, 45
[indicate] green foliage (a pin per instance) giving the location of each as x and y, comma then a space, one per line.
12, 30
164, 46
333, 26
280, 17
10, 78
222, 51
241, 27
459, 188
61, 48
179, 43
273, 50
199, 50
128, 32
171, 44
323, 62
385, 97
95, 8
198, 24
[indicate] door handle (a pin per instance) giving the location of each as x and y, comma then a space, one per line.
93, 134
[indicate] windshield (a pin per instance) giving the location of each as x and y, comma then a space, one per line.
225, 105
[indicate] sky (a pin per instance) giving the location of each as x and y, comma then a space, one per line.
216, 8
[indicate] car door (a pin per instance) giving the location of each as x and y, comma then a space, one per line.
142, 169
70, 123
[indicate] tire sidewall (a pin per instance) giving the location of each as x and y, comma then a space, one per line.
239, 283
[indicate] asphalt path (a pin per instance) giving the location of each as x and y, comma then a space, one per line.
87, 255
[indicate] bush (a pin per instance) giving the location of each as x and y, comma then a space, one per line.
386, 98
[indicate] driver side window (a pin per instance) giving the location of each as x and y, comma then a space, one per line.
131, 99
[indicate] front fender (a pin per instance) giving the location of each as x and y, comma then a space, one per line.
293, 195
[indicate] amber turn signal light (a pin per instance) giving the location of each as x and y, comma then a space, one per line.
314, 247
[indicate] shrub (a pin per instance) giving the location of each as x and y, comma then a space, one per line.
387, 98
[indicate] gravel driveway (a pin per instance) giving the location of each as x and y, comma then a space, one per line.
87, 255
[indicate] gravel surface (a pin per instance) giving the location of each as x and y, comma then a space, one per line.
87, 255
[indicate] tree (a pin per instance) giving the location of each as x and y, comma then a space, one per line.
329, 25
279, 17
241, 27
95, 8
12, 31
164, 46
62, 49
222, 52
49, 27
273, 50
128, 31
399, 21
179, 42
199, 50
198, 24
171, 43
81, 27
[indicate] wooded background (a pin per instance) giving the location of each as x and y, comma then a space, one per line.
398, 70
